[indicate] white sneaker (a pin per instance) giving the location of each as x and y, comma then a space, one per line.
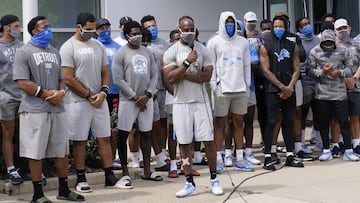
325, 156
350, 156
216, 189
188, 189
228, 160
251, 159
83, 187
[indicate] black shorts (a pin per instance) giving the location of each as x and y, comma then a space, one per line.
354, 103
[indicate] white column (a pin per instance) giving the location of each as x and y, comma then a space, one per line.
29, 10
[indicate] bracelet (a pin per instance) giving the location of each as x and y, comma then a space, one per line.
186, 63
89, 94
39, 91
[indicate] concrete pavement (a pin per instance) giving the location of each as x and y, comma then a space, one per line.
333, 181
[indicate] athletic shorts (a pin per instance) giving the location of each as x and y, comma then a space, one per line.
299, 93
83, 116
235, 103
8, 111
129, 112
193, 122
156, 111
43, 135
252, 99
354, 103
161, 94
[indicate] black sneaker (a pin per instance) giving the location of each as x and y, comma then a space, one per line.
357, 150
335, 152
302, 156
291, 161
275, 158
14, 177
269, 164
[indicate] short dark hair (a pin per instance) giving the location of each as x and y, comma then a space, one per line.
328, 15
147, 18
264, 22
173, 32
282, 18
32, 23
130, 25
185, 17
297, 23
146, 35
124, 20
325, 25
84, 17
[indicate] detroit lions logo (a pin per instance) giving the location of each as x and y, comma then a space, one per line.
283, 54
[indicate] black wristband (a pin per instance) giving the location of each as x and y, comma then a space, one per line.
186, 63
40, 92
148, 94
105, 89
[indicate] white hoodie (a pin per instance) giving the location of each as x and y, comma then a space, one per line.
231, 59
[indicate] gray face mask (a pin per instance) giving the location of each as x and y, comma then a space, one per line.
187, 37
343, 34
86, 34
251, 26
135, 40
15, 33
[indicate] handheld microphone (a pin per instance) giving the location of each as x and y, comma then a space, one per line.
191, 45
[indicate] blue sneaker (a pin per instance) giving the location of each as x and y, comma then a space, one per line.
216, 189
350, 156
243, 166
219, 168
325, 156
335, 152
188, 189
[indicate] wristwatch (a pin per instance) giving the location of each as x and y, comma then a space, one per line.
148, 94
186, 63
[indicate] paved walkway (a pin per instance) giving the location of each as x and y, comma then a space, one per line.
334, 181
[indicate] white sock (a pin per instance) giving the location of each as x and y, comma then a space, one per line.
219, 155
298, 147
348, 150
289, 154
273, 148
303, 136
248, 151
160, 159
135, 157
227, 152
355, 142
141, 156
326, 150
239, 154
10, 168
334, 144
197, 156
173, 166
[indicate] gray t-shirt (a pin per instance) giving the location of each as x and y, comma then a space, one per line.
186, 91
7, 53
42, 66
134, 71
158, 47
87, 58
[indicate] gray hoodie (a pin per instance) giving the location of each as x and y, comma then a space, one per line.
7, 53
327, 87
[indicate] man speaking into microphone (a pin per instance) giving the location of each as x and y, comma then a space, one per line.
192, 116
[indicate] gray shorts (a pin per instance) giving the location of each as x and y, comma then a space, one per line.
43, 135
161, 94
252, 99
129, 113
235, 103
8, 111
83, 116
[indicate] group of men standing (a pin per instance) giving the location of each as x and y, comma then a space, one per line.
69, 94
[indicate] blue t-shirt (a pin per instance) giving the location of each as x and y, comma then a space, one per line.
111, 49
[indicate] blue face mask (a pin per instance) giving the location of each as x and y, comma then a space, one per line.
279, 32
307, 30
154, 32
122, 35
105, 36
43, 38
230, 29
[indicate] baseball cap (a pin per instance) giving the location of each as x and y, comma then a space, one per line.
101, 22
124, 20
250, 16
340, 22
6, 20
328, 35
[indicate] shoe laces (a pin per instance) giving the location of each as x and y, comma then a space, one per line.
15, 173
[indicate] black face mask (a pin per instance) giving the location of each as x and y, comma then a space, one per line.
327, 47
